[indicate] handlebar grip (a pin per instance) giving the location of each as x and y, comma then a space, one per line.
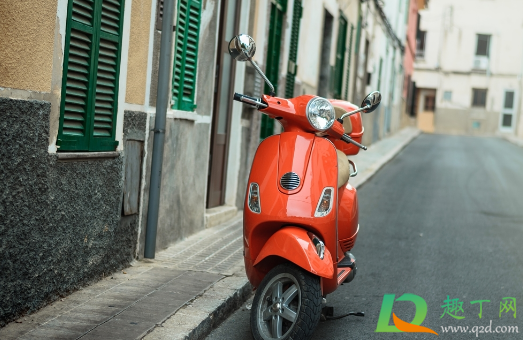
346, 138
256, 102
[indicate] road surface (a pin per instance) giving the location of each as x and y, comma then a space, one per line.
442, 219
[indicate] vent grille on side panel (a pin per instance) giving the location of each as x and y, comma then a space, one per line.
290, 181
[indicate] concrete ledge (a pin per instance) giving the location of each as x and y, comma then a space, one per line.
67, 156
514, 140
197, 319
218, 215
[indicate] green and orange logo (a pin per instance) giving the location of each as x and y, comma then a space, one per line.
399, 325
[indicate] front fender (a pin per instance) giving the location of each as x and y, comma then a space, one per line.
293, 244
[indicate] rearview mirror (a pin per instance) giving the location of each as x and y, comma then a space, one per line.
372, 101
242, 47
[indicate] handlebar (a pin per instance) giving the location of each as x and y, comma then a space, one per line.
346, 138
256, 102
259, 104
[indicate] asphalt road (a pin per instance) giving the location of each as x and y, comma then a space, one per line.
443, 218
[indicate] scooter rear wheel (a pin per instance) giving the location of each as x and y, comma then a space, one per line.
287, 304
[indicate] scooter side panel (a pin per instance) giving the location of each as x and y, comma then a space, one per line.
347, 228
293, 244
347, 212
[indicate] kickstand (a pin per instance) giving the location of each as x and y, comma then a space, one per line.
362, 314
327, 313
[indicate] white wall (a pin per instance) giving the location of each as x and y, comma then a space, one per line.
451, 28
233, 161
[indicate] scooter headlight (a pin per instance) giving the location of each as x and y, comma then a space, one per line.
320, 113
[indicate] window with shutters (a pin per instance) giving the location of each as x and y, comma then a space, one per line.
90, 75
186, 55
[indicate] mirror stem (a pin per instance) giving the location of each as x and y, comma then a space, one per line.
272, 93
355, 111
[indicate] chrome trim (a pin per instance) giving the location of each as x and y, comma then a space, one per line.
319, 245
353, 174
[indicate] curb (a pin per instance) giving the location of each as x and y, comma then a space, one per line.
224, 310
198, 318
514, 140
373, 169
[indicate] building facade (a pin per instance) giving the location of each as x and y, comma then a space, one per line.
378, 63
78, 89
468, 70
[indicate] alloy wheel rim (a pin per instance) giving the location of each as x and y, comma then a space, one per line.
279, 306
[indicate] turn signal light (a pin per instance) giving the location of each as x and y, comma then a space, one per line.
325, 203
254, 198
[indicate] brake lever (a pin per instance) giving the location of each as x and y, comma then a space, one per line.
346, 138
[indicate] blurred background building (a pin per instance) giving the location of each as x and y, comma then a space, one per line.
469, 67
78, 90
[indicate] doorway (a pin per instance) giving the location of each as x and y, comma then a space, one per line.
325, 67
223, 94
426, 108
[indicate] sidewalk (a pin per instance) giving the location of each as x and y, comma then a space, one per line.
182, 294
514, 140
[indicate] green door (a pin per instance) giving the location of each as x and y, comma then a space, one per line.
273, 58
292, 68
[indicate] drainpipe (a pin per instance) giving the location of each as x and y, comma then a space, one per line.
162, 100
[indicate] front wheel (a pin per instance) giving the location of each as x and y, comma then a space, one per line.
287, 304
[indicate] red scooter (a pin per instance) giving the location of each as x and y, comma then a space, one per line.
301, 215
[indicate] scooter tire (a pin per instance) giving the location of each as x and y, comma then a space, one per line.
306, 303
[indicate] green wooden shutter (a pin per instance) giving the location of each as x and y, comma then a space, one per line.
340, 56
292, 68
278, 8
349, 58
90, 75
77, 73
105, 87
186, 55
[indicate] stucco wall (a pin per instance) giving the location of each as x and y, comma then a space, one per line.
470, 122
410, 44
138, 51
186, 149
60, 221
26, 45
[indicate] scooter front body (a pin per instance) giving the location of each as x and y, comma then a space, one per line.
313, 161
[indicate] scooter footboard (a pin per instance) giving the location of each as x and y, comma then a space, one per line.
294, 245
